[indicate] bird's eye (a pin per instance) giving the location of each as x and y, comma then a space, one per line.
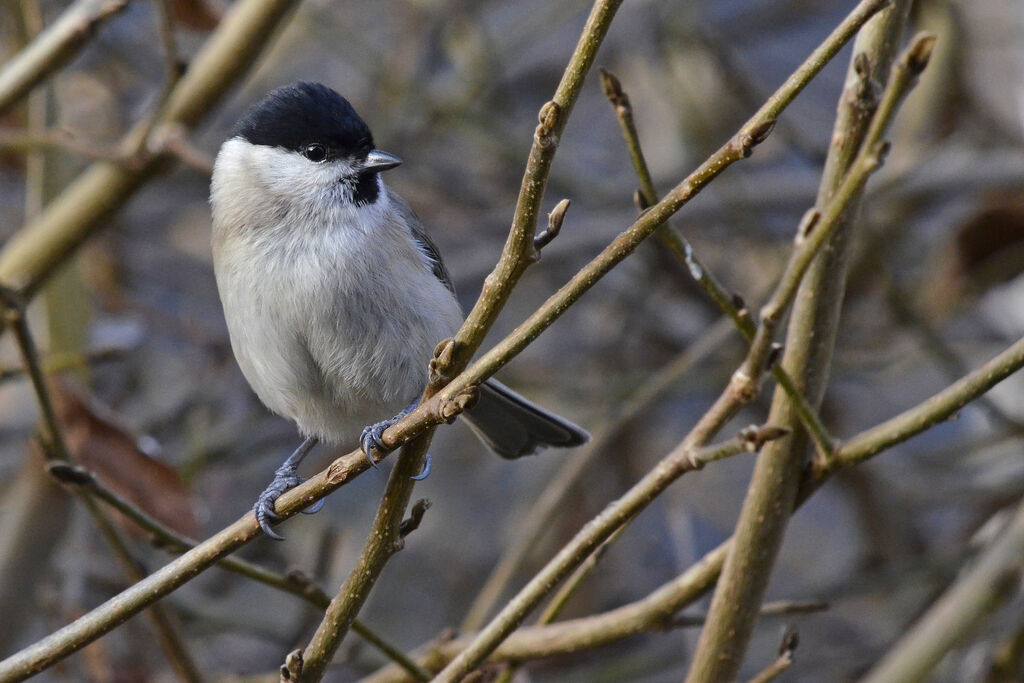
315, 153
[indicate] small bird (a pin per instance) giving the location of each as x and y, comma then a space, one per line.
335, 296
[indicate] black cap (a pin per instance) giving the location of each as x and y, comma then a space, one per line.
302, 114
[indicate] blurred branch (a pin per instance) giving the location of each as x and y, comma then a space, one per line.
673, 238
901, 303
53, 48
172, 73
856, 151
54, 447
61, 362
45, 242
984, 587
168, 539
25, 141
170, 140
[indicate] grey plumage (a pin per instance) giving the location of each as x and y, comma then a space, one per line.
334, 294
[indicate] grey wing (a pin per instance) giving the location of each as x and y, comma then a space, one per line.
426, 245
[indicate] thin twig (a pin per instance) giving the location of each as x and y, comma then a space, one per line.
687, 457
137, 143
857, 150
169, 540
54, 447
790, 640
679, 246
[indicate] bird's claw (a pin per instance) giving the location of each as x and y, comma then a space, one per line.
285, 479
426, 470
370, 439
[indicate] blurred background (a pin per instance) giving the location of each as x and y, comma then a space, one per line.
155, 404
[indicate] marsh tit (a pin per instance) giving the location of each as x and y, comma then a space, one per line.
334, 294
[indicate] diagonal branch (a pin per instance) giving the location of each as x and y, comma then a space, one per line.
385, 537
53, 48
35, 251
54, 447
690, 455
857, 150
673, 238
741, 146
168, 539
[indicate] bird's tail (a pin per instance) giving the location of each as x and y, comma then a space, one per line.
513, 427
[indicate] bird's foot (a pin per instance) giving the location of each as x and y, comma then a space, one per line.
371, 439
285, 479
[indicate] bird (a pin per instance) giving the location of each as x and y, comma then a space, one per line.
334, 294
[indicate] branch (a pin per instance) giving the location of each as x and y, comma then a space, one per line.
519, 250
741, 145
652, 613
927, 414
790, 640
685, 458
856, 151
53, 48
953, 617
540, 513
167, 539
673, 238
452, 356
55, 447
36, 250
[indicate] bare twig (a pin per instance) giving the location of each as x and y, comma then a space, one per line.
952, 618
168, 539
677, 243
54, 447
519, 249
685, 458
790, 640
135, 145
773, 490
927, 414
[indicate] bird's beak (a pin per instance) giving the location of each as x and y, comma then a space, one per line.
379, 161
